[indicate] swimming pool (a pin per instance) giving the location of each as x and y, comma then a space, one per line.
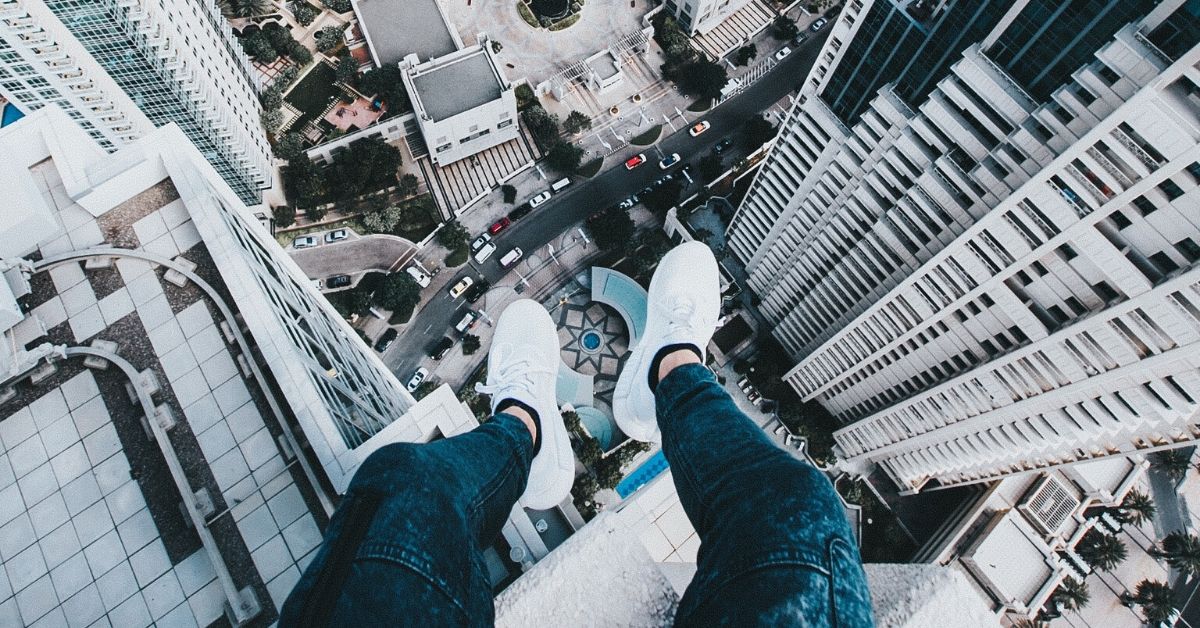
11, 114
650, 469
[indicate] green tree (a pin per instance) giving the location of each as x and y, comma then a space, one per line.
258, 48
304, 13
757, 131
745, 54
383, 220
409, 185
711, 167
339, 6
1156, 599
1181, 551
543, 126
564, 157
470, 344
525, 96
663, 197
577, 121
1072, 594
702, 78
280, 37
1102, 551
366, 165
398, 292
453, 235
304, 182
244, 8
271, 119
611, 228
298, 53
329, 38
784, 28
608, 472
583, 493
346, 70
1173, 463
285, 215
388, 84
1137, 508
509, 192
289, 145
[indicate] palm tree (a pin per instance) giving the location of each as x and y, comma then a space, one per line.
1156, 599
245, 8
1181, 551
1102, 551
1136, 509
1072, 593
1174, 464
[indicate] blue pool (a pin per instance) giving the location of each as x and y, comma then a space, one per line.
590, 340
650, 469
11, 114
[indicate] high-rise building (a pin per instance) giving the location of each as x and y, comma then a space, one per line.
977, 234
120, 68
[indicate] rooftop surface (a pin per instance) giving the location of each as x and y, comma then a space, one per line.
474, 83
398, 28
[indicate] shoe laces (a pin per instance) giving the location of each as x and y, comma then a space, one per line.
514, 373
683, 322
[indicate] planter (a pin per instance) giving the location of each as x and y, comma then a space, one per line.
614, 110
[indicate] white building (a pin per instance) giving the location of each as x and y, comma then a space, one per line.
701, 16
983, 256
121, 68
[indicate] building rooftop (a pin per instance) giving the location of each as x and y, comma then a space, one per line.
473, 77
398, 28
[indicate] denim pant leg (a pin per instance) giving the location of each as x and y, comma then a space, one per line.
775, 546
405, 545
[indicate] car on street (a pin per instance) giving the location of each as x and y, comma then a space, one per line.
484, 253
635, 161
338, 281
629, 202
722, 146
520, 212
801, 38
699, 128
819, 24
668, 161
783, 53
511, 257
443, 346
304, 242
480, 242
337, 235
540, 198
465, 323
478, 290
386, 340
499, 225
417, 379
646, 190
457, 289
419, 275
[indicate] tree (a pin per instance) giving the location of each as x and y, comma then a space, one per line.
244, 8
1137, 508
577, 121
1174, 464
398, 292
711, 167
509, 192
702, 78
301, 55
289, 146
304, 13
366, 165
329, 38
663, 197
285, 215
304, 182
409, 185
346, 70
340, 6
564, 157
470, 344
543, 126
745, 54
525, 96
784, 28
271, 119
757, 131
1102, 551
1156, 599
1181, 551
453, 235
388, 84
257, 47
612, 228
1072, 594
280, 37
383, 220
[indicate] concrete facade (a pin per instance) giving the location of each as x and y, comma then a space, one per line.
700, 16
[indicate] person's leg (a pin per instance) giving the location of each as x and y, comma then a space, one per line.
405, 546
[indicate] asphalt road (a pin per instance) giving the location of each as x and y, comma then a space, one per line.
380, 253
566, 210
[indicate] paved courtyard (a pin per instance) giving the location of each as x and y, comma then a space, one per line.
594, 342
537, 54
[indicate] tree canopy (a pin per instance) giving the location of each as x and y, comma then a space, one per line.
577, 121
400, 293
364, 166
663, 197
386, 83
611, 228
564, 157
453, 235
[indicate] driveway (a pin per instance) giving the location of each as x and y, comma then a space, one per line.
357, 256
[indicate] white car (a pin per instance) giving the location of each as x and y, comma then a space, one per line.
668, 161
783, 53
304, 242
480, 242
417, 378
485, 252
337, 235
539, 199
699, 128
417, 274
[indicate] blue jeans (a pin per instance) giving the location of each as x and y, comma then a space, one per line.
405, 546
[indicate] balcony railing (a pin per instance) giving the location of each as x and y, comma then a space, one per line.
1138, 151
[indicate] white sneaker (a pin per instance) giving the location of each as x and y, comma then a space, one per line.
523, 366
683, 307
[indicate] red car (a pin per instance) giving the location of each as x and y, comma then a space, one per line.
499, 225
635, 161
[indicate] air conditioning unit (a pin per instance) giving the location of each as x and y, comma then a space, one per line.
1049, 505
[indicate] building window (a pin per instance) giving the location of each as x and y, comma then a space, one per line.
1120, 220
1169, 188
1107, 75
1188, 249
1144, 205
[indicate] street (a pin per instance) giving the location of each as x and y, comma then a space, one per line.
568, 209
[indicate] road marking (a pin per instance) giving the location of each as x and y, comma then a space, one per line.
429, 328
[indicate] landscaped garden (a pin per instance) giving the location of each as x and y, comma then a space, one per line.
552, 15
313, 94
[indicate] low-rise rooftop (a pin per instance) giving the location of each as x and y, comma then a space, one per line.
448, 88
398, 28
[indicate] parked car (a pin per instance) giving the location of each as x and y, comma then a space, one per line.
819, 24
699, 128
419, 275
799, 39
540, 198
635, 161
783, 53
338, 281
510, 258
386, 340
417, 379
337, 235
629, 202
646, 190
668, 161
722, 146
560, 185
440, 350
478, 290
499, 225
520, 212
478, 243
457, 289
304, 242
468, 321
484, 253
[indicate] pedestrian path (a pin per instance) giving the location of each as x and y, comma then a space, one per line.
737, 29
